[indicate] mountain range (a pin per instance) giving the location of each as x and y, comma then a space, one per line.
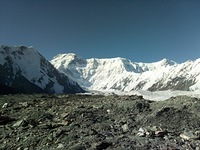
120, 74
25, 70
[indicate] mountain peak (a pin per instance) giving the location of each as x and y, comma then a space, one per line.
165, 62
65, 56
18, 48
168, 61
25, 68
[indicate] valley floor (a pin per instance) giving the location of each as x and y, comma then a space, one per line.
78, 122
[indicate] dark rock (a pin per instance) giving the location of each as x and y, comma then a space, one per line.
6, 119
103, 145
46, 116
142, 106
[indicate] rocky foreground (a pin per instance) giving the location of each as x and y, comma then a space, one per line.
79, 122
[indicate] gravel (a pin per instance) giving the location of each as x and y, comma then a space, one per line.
96, 122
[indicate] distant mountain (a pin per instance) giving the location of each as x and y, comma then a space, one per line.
124, 75
24, 70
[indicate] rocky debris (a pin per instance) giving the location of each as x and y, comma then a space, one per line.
190, 135
142, 132
60, 145
125, 128
151, 132
80, 122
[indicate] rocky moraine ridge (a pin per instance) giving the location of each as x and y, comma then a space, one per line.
95, 122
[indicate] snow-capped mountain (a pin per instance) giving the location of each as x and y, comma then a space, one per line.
25, 70
124, 75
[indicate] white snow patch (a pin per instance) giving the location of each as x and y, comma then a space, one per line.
154, 96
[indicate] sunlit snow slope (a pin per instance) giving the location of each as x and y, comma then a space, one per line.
120, 74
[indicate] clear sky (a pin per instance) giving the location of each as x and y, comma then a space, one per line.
140, 30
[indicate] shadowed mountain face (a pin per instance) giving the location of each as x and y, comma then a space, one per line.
120, 74
26, 71
7, 90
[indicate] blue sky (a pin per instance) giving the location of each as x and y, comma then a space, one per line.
140, 30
